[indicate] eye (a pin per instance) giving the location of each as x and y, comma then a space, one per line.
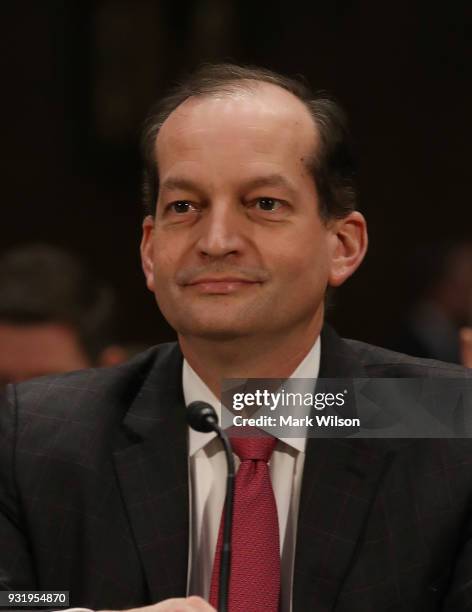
180, 207
268, 204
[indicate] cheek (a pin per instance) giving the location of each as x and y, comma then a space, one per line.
300, 260
167, 254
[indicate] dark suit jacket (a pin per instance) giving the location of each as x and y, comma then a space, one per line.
94, 494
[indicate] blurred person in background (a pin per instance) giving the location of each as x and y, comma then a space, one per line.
54, 315
442, 283
466, 346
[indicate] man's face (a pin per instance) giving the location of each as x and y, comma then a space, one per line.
33, 350
237, 247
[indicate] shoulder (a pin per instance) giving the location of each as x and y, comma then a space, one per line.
380, 362
75, 418
80, 394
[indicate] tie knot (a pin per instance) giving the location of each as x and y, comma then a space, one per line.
254, 446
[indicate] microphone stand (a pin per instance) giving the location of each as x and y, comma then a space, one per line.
201, 416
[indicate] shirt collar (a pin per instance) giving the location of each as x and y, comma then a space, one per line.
196, 390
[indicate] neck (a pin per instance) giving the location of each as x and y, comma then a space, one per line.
248, 357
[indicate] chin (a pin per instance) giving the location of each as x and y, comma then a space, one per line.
213, 332
218, 335
213, 328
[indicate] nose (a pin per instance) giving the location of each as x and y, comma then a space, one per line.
221, 231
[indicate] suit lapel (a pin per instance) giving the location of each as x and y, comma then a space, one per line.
340, 481
151, 464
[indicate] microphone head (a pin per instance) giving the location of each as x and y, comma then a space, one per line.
201, 417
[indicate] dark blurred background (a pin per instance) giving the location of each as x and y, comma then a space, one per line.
79, 76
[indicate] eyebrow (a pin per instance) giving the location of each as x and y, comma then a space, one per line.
179, 183
270, 180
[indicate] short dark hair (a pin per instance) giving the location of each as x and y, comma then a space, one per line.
332, 165
44, 284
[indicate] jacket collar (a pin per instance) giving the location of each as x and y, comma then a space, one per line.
151, 464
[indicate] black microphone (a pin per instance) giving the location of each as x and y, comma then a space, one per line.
202, 417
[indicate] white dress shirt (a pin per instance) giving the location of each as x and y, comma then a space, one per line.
207, 482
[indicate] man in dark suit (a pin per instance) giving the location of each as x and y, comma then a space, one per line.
101, 492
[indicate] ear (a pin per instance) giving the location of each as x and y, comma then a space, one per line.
349, 246
147, 251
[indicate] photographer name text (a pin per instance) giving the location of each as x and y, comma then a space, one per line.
291, 421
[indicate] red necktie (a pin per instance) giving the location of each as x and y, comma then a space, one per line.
255, 560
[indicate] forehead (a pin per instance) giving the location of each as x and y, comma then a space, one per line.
262, 120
